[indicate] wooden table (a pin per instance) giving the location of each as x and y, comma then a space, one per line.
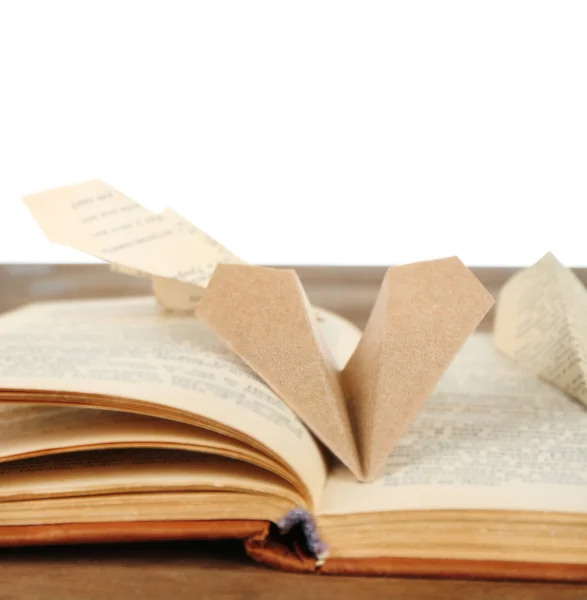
197, 570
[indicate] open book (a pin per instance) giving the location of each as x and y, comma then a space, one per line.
122, 422
264, 417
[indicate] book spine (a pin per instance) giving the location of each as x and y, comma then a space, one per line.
293, 544
302, 519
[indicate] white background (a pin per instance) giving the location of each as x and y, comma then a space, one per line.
307, 132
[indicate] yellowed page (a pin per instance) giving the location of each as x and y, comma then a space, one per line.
180, 224
492, 436
124, 471
143, 360
98, 219
200, 239
36, 429
169, 506
541, 322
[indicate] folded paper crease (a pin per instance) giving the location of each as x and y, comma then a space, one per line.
422, 316
264, 316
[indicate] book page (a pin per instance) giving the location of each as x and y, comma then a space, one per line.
131, 471
541, 322
200, 505
492, 436
37, 429
127, 354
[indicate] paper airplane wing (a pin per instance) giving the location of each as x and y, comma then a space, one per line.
422, 316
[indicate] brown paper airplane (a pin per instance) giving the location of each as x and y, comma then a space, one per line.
422, 316
265, 317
